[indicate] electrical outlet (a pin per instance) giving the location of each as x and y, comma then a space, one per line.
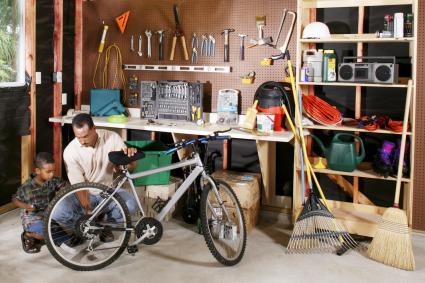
38, 78
64, 98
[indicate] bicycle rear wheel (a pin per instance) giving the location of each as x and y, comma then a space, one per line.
78, 242
223, 225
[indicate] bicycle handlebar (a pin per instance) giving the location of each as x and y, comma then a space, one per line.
203, 140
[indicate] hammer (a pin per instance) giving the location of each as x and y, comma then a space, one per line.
226, 33
242, 47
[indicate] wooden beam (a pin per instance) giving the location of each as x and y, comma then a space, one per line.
78, 54
28, 142
226, 145
349, 189
267, 157
57, 86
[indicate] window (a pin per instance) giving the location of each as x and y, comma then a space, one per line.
12, 43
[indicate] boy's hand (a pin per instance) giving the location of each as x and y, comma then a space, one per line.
30, 208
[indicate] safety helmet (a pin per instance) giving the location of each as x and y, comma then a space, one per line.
316, 30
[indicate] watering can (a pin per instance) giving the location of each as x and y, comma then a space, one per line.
342, 155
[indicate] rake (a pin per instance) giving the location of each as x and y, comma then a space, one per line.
316, 229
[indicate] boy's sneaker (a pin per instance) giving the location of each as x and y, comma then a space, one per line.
30, 245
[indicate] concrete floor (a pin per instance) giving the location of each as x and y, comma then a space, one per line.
182, 256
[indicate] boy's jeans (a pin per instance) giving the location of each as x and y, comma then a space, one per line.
70, 210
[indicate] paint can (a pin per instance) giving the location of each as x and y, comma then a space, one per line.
265, 123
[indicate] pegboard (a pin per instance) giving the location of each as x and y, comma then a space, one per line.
207, 16
418, 217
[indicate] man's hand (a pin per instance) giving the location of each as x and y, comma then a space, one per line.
130, 151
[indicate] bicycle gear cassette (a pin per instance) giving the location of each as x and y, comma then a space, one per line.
149, 225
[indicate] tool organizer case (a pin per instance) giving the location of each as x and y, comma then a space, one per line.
172, 100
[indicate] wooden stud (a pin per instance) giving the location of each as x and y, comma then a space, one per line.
78, 54
349, 189
28, 142
226, 145
267, 157
57, 86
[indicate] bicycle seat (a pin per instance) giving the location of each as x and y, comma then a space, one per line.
120, 158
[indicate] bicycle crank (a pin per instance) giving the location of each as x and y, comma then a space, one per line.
151, 228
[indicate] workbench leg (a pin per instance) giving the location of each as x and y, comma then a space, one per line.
226, 153
267, 156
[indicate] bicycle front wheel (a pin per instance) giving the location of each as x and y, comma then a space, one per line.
91, 238
223, 223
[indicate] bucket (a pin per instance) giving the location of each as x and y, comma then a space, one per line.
265, 123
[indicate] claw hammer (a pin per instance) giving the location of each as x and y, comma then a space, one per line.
226, 33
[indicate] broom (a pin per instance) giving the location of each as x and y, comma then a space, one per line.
392, 244
316, 229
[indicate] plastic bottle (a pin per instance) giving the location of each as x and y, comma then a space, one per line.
329, 66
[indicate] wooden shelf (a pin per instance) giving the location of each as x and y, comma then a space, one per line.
356, 38
368, 174
351, 129
352, 3
344, 84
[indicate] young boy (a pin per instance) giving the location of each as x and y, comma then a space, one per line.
33, 197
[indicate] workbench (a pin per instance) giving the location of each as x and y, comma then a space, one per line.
266, 146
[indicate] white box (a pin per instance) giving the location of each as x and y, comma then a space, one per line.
398, 25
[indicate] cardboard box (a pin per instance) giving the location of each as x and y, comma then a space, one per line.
149, 195
247, 189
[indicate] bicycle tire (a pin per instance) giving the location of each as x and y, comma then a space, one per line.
50, 242
206, 229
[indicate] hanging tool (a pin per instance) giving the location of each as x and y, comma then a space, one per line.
211, 45
140, 46
149, 36
204, 44
195, 45
242, 47
100, 50
178, 33
132, 44
160, 44
122, 21
261, 23
284, 47
226, 34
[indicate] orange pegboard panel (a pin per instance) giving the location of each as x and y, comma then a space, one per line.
418, 215
206, 16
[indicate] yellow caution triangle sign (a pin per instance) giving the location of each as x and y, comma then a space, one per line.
122, 21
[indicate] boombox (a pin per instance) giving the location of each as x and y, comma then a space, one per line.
369, 72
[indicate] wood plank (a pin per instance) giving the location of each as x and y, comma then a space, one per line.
357, 37
351, 129
355, 207
352, 3
57, 86
267, 157
7, 207
345, 84
78, 54
28, 142
359, 173
226, 149
349, 189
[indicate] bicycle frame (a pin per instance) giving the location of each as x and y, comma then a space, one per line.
196, 172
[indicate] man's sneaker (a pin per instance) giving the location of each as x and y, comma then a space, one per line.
106, 235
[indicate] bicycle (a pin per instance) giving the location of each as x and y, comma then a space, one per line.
79, 246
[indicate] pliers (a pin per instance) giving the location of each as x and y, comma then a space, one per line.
211, 45
204, 44
195, 45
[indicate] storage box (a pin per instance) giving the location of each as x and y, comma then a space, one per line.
155, 157
149, 195
247, 189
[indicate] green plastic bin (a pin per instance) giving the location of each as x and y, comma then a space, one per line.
155, 157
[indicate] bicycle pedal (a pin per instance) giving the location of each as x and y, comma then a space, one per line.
132, 250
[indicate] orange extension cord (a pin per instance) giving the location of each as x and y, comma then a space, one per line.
321, 111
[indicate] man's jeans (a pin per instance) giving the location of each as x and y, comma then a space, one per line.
70, 210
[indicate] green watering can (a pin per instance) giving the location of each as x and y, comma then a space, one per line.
342, 155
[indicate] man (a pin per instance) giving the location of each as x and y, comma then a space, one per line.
86, 160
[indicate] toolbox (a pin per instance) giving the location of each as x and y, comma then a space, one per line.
173, 100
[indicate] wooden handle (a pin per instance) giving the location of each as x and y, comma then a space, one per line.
173, 48
186, 55
403, 143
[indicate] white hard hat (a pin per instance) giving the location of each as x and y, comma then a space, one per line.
316, 30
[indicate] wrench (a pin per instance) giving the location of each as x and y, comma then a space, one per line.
149, 35
140, 46
132, 44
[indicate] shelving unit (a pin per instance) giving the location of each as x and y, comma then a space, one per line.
360, 216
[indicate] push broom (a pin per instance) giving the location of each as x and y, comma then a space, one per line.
392, 243
316, 229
